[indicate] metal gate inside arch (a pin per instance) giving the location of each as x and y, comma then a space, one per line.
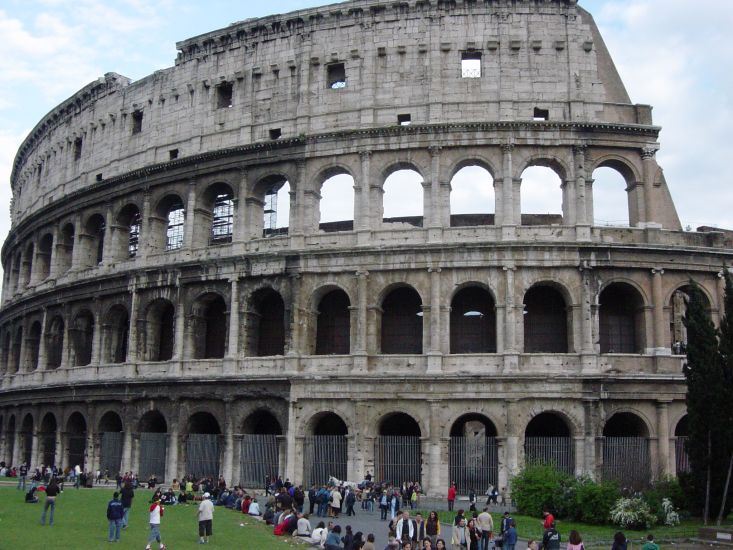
259, 459
398, 458
627, 460
474, 463
325, 455
153, 450
202, 455
111, 452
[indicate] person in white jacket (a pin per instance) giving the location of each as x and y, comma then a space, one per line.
319, 534
206, 518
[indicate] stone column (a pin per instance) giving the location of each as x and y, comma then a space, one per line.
590, 467
107, 255
227, 466
579, 444
436, 472
587, 348
233, 347
78, 246
89, 448
290, 442
145, 239
720, 297
513, 438
649, 165
174, 441
362, 280
507, 187
97, 336
661, 344
17, 451
239, 232
35, 459
569, 216
297, 201
294, 343
53, 268
362, 215
66, 346
179, 336
132, 341
511, 352
126, 462
58, 454
190, 220
581, 219
663, 438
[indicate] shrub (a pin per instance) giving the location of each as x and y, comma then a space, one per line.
595, 500
671, 517
538, 486
632, 513
665, 488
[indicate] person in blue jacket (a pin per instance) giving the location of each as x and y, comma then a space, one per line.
115, 512
510, 536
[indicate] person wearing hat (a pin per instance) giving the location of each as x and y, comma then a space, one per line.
206, 518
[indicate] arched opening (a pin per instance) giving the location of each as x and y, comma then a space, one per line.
334, 324
337, 204
110, 442
82, 338
402, 318
210, 327
626, 441
76, 440
677, 310
43, 257
472, 321
26, 440
276, 208
402, 202
266, 324
65, 248
34, 345
545, 321
47, 439
474, 457
10, 434
116, 334
27, 268
610, 198
202, 446
94, 248
260, 449
17, 348
54, 343
397, 453
326, 451
621, 319
472, 199
153, 444
176, 218
541, 196
547, 440
127, 232
682, 459
160, 330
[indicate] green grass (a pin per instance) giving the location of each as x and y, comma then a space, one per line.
531, 528
80, 522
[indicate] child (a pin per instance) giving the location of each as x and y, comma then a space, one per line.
156, 512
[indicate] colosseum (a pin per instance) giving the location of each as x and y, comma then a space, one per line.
159, 316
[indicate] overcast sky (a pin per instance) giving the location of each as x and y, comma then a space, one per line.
672, 54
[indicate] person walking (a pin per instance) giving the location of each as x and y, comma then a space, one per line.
52, 491
22, 477
115, 513
126, 495
486, 526
451, 496
156, 513
206, 518
551, 539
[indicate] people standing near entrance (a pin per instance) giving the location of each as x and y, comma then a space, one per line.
156, 513
486, 526
115, 513
22, 476
52, 491
77, 476
451, 496
432, 527
472, 500
335, 502
206, 518
126, 495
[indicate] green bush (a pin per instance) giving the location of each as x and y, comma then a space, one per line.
595, 500
664, 488
538, 486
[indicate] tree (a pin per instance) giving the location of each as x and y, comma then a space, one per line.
705, 403
725, 349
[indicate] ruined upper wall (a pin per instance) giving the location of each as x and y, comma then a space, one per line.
399, 58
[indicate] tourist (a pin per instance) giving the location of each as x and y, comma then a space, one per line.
303, 525
486, 526
451, 496
333, 540
650, 544
254, 508
349, 501
459, 516
619, 541
52, 492
440, 545
549, 519
506, 521
460, 537
574, 541
206, 518
115, 513
509, 540
551, 539
405, 528
369, 544
348, 539
472, 500
319, 534
335, 502
532, 545
474, 534
22, 477
30, 496
427, 544
156, 513
432, 527
420, 533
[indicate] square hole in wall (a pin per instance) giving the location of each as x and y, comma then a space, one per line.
99, 177
471, 65
173, 154
224, 95
137, 122
275, 133
404, 119
541, 114
336, 76
77, 148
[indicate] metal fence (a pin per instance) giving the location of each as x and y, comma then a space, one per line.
324, 456
557, 451
110, 452
398, 458
77, 444
153, 451
473, 463
48, 440
682, 459
202, 455
627, 460
259, 458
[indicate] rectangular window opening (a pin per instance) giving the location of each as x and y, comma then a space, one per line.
404, 120
77, 148
173, 154
471, 65
336, 76
541, 114
224, 95
99, 177
275, 133
137, 122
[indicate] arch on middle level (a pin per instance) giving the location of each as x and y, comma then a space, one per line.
115, 333
336, 198
473, 319
547, 319
621, 319
81, 333
266, 318
110, 421
403, 194
472, 193
159, 335
209, 314
331, 305
401, 322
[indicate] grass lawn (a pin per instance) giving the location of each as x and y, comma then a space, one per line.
531, 528
80, 522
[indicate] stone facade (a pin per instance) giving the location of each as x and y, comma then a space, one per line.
145, 293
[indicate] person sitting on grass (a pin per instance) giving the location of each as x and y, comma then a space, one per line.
30, 496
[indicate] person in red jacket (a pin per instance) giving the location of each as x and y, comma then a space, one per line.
451, 496
156, 512
549, 519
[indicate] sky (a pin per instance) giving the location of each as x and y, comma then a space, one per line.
671, 54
